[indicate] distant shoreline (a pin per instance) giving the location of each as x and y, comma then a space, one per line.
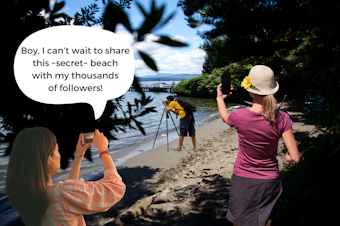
167, 77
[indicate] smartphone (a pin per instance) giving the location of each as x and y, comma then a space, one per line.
87, 138
225, 77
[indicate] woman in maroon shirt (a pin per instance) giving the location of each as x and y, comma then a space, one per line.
255, 185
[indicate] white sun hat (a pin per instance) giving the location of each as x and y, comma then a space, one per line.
260, 80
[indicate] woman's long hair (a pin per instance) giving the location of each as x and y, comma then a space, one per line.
269, 108
28, 173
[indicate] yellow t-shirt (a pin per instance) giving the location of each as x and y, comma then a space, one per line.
178, 107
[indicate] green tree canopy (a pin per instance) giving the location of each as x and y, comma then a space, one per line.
243, 28
253, 28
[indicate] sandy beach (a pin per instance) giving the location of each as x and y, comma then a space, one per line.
198, 181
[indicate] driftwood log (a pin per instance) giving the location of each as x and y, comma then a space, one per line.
201, 176
134, 211
164, 196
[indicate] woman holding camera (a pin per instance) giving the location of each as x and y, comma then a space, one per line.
34, 157
255, 185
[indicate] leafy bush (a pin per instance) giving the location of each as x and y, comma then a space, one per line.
309, 195
206, 84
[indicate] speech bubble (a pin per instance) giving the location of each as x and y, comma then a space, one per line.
74, 64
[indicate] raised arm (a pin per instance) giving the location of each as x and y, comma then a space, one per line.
222, 109
101, 143
293, 152
82, 197
80, 152
167, 110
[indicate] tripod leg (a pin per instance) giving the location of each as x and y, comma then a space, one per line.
158, 129
174, 124
167, 132
176, 128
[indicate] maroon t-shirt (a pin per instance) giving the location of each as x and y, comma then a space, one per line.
258, 141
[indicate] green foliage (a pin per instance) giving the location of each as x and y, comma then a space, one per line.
206, 84
309, 186
215, 58
244, 28
314, 68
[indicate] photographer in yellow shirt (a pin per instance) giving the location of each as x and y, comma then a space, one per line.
187, 122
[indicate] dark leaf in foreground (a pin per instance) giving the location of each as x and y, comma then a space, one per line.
136, 85
170, 42
148, 60
114, 15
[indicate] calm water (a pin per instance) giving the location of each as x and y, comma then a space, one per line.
206, 112
133, 142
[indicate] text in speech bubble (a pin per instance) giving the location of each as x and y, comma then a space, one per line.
74, 64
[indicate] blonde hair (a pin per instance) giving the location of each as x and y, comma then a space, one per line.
269, 108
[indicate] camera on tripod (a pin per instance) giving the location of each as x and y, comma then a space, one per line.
167, 116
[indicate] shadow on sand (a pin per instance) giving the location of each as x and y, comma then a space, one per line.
136, 186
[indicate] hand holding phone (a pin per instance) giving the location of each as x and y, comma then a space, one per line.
81, 147
100, 141
225, 77
87, 138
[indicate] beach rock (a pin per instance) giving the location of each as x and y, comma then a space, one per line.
164, 196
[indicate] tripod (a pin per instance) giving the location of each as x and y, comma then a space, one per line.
167, 137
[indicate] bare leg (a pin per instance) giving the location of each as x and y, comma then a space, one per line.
180, 143
269, 222
194, 142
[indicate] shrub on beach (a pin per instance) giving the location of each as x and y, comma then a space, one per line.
205, 85
309, 195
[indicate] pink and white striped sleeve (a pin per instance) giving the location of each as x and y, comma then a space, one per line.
82, 197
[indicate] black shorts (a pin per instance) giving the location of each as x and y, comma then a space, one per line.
186, 125
253, 201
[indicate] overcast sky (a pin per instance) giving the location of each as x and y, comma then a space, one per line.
175, 60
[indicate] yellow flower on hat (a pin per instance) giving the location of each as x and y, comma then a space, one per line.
246, 83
